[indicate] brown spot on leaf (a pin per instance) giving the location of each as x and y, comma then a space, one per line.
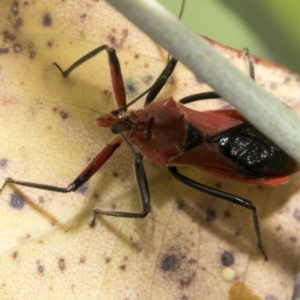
7, 36
227, 214
177, 266
4, 50
112, 39
180, 205
95, 195
210, 215
297, 214
107, 93
170, 81
63, 115
227, 258
117, 40
32, 54
218, 185
3, 163
62, 264
147, 79
130, 87
40, 269
170, 263
123, 267
47, 19
19, 22
16, 201
185, 282
237, 232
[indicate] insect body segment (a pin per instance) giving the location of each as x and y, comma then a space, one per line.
221, 142
255, 156
158, 136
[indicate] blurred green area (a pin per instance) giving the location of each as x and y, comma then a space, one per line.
267, 27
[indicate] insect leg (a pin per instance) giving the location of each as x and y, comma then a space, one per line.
161, 81
199, 97
115, 71
85, 175
142, 186
154, 89
226, 196
250, 63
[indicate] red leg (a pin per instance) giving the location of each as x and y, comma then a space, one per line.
115, 71
85, 175
141, 179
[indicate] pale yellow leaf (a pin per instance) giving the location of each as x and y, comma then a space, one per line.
48, 251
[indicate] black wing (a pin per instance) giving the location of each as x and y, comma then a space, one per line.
252, 152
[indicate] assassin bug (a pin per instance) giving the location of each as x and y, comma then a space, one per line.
221, 142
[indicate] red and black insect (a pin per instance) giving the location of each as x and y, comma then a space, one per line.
221, 142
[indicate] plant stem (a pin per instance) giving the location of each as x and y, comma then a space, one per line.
262, 109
